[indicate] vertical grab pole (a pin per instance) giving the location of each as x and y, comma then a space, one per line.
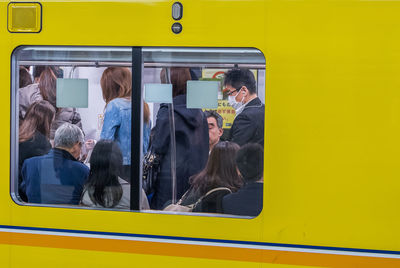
173, 151
136, 138
171, 117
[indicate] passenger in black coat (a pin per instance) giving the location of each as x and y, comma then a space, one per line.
191, 133
245, 202
34, 134
35, 146
248, 200
248, 126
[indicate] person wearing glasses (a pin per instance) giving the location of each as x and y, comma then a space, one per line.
57, 177
248, 126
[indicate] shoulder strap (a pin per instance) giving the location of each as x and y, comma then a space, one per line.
210, 192
215, 190
184, 196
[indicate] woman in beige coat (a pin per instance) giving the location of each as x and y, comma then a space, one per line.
46, 90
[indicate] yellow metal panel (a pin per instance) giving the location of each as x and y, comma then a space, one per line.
332, 119
123, 24
24, 17
5, 251
333, 123
48, 258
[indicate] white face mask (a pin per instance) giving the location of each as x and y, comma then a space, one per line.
235, 104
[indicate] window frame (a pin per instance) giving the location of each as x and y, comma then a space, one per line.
137, 64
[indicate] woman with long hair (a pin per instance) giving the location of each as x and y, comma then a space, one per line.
45, 89
104, 187
116, 85
47, 86
220, 171
34, 132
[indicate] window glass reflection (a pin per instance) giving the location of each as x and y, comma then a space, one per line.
202, 128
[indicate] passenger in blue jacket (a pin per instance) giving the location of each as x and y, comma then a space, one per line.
116, 85
57, 177
191, 131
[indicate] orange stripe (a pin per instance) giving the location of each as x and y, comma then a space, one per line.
195, 251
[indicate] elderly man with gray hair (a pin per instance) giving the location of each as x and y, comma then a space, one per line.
57, 177
215, 131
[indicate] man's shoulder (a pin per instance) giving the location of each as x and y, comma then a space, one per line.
252, 111
254, 105
79, 165
233, 196
244, 195
35, 159
231, 201
246, 190
69, 161
245, 116
78, 172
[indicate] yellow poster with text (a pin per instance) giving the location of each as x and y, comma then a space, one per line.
227, 113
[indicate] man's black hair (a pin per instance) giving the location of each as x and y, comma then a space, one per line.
238, 78
249, 160
218, 118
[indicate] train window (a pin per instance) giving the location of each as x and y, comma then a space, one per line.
208, 142
72, 93
75, 98
153, 129
202, 94
158, 93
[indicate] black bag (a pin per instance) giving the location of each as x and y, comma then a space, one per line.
151, 168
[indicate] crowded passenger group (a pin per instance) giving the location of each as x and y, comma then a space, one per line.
215, 173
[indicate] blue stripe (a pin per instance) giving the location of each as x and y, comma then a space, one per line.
203, 240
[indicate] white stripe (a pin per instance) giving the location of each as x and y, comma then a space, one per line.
203, 243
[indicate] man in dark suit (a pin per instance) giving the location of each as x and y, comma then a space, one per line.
248, 200
248, 126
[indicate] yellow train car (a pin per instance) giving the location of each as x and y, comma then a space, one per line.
328, 71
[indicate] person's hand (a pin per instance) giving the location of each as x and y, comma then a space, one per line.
89, 144
82, 158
